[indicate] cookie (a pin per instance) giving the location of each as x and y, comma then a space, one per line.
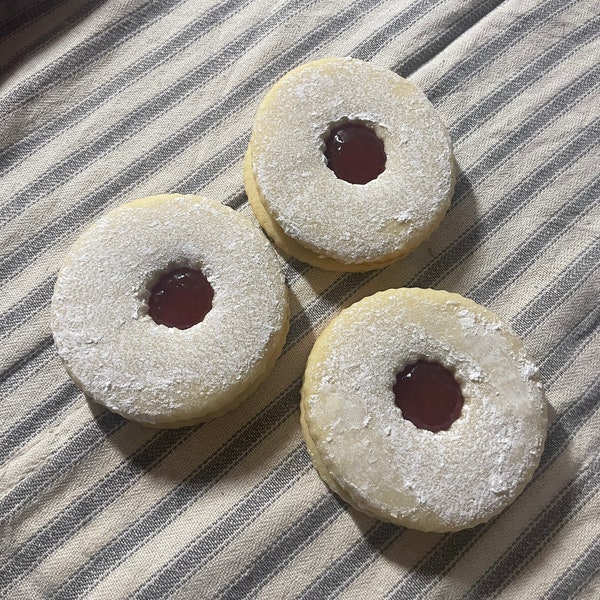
348, 166
170, 310
422, 408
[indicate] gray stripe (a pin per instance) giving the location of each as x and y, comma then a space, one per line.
86, 53
60, 528
305, 530
33, 12
25, 366
532, 539
36, 45
445, 555
578, 575
226, 529
36, 420
509, 205
471, 16
26, 308
88, 438
154, 520
401, 22
538, 121
556, 225
519, 28
212, 168
547, 299
346, 569
550, 366
44, 133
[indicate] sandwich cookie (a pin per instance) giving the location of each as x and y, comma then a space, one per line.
422, 408
348, 166
170, 310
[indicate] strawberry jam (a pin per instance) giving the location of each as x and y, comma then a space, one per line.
355, 153
180, 298
428, 395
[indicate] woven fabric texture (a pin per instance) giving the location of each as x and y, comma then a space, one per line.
106, 101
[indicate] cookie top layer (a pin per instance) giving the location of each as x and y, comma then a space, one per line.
351, 223
381, 462
114, 350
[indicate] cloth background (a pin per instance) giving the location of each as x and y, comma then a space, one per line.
102, 102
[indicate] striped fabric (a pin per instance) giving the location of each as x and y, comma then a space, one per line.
105, 101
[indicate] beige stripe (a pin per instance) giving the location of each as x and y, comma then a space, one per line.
319, 556
558, 324
23, 398
557, 554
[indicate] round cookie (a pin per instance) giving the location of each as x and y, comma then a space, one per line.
382, 463
327, 221
152, 373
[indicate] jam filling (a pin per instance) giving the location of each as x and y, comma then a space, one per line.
180, 298
428, 395
355, 153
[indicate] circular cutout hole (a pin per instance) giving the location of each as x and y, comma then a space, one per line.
354, 152
180, 298
428, 395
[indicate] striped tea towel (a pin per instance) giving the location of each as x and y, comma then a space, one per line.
105, 101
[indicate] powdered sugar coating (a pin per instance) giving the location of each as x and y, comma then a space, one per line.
148, 372
387, 217
382, 463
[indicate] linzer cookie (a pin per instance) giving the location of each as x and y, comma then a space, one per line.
348, 167
170, 310
421, 408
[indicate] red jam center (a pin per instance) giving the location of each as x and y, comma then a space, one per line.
355, 153
180, 298
428, 396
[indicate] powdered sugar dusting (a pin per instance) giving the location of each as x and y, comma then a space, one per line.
351, 223
120, 356
390, 468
